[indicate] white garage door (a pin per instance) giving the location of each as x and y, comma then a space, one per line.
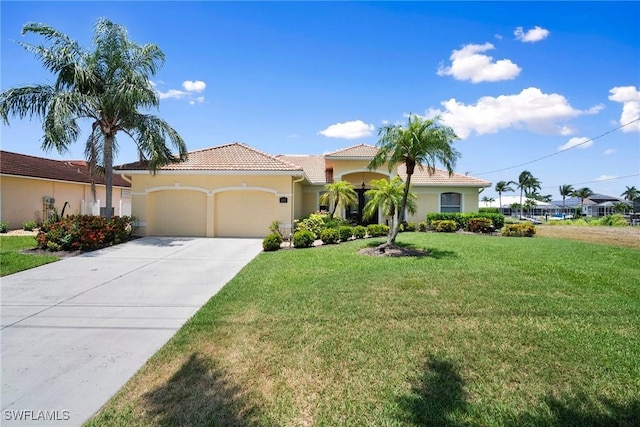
244, 213
178, 213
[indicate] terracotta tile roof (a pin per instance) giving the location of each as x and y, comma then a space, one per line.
62, 170
230, 157
313, 166
360, 150
441, 178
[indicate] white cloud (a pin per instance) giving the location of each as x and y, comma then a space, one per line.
194, 86
293, 136
469, 63
530, 109
348, 130
581, 142
198, 100
605, 177
609, 151
531, 36
171, 93
497, 36
629, 96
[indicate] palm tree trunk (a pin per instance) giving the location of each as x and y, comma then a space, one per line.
405, 196
500, 201
395, 227
521, 203
108, 175
335, 206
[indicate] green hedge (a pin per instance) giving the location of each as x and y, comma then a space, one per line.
462, 218
377, 230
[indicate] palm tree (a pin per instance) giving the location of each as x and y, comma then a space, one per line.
503, 187
340, 194
631, 193
526, 183
422, 143
387, 196
565, 190
109, 86
582, 193
488, 199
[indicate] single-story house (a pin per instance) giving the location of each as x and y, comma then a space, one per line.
234, 190
32, 187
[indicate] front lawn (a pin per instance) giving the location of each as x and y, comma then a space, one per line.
487, 331
14, 260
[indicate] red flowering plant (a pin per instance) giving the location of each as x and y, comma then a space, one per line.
84, 232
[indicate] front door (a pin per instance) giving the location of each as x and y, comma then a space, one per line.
355, 214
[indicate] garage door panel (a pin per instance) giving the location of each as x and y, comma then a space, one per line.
179, 213
244, 213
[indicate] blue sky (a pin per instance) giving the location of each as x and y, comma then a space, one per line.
517, 81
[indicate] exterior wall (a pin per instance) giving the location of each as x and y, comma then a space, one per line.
21, 198
343, 167
429, 200
219, 190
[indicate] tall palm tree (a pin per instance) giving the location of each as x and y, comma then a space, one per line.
582, 193
339, 194
108, 85
631, 193
526, 183
421, 143
503, 187
565, 190
387, 196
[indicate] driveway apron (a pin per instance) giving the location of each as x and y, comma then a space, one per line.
74, 331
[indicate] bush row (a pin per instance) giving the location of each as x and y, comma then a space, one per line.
84, 232
304, 238
462, 219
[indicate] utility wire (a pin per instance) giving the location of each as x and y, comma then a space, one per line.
597, 180
557, 152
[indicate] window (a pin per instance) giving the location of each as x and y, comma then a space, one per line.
450, 202
321, 207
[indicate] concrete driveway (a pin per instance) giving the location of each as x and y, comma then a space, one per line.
74, 331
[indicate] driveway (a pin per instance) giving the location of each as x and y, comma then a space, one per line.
74, 331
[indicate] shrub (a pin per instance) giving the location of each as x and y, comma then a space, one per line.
410, 226
28, 225
313, 223
272, 242
359, 231
275, 228
480, 225
377, 230
84, 232
496, 218
445, 225
489, 210
303, 239
615, 220
329, 236
462, 218
4, 226
422, 226
345, 232
334, 222
524, 229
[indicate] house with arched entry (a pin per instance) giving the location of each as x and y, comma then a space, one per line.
234, 190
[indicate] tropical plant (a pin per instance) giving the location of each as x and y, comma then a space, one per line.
620, 207
339, 194
272, 242
630, 193
526, 183
421, 143
582, 193
108, 85
387, 196
488, 199
502, 187
565, 190
529, 204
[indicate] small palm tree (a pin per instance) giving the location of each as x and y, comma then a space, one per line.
582, 193
421, 143
387, 196
502, 187
488, 199
631, 193
109, 86
565, 190
527, 183
339, 194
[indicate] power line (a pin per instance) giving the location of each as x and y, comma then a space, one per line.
560, 151
597, 180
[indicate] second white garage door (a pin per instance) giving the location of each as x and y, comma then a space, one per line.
244, 213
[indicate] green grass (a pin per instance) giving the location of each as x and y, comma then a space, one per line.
488, 331
12, 260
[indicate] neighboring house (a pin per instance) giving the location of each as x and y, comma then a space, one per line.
595, 205
32, 187
235, 190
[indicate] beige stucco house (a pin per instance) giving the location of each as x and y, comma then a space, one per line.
31, 187
235, 190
